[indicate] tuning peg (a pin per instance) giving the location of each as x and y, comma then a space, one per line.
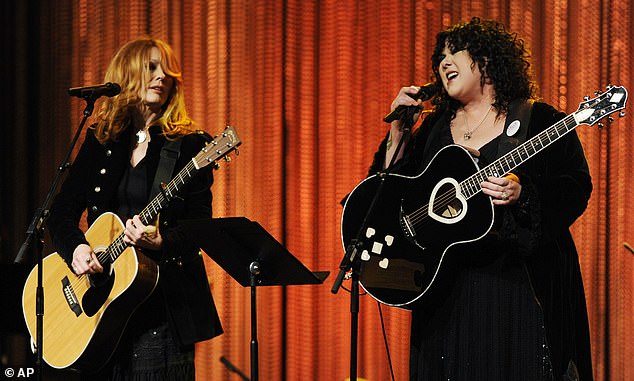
227, 159
609, 86
237, 151
610, 119
622, 114
586, 98
601, 125
597, 93
216, 165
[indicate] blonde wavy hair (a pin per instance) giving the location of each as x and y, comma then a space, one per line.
130, 69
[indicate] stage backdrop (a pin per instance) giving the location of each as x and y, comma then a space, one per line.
306, 84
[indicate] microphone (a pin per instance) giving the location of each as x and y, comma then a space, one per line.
426, 92
109, 89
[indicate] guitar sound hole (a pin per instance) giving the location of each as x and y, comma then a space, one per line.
101, 279
446, 204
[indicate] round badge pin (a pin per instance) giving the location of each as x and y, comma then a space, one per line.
513, 128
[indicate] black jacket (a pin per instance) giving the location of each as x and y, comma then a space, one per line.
92, 185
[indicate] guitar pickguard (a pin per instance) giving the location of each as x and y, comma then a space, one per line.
100, 289
96, 296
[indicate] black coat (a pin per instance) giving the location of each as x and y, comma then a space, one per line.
92, 184
538, 262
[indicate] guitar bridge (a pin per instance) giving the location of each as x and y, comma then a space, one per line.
408, 228
71, 297
406, 225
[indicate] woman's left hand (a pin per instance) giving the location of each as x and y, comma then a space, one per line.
502, 190
137, 234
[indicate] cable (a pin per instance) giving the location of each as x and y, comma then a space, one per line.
387, 347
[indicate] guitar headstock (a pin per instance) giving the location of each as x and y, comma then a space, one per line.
218, 148
593, 110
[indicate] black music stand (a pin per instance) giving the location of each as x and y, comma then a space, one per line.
251, 256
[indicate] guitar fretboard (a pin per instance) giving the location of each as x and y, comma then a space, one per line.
505, 164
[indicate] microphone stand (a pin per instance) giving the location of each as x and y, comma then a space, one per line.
35, 233
350, 259
233, 368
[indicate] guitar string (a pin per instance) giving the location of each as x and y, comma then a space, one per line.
420, 215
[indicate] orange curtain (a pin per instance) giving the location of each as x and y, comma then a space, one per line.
306, 83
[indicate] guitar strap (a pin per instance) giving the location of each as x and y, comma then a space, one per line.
169, 154
516, 126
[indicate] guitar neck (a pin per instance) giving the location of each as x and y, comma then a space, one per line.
505, 164
152, 210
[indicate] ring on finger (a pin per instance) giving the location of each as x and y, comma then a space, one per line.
504, 196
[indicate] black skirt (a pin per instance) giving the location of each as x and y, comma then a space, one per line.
482, 322
148, 350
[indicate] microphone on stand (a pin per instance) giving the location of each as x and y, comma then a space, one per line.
109, 89
426, 92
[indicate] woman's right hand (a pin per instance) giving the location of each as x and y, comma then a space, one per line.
85, 261
403, 98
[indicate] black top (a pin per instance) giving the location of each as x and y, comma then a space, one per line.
132, 194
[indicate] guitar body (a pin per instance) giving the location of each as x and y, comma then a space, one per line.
84, 322
414, 222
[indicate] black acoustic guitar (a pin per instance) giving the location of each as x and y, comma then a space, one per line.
417, 219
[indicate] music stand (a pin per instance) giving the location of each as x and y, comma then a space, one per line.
251, 256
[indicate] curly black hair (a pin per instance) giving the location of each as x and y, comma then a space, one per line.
500, 55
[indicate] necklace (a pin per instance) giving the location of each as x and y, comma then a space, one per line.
141, 136
469, 132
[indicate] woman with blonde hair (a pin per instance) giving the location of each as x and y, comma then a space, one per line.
115, 171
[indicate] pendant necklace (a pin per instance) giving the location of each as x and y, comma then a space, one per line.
469, 132
141, 136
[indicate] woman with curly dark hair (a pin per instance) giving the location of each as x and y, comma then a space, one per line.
508, 305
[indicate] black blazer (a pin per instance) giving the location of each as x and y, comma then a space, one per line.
92, 185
